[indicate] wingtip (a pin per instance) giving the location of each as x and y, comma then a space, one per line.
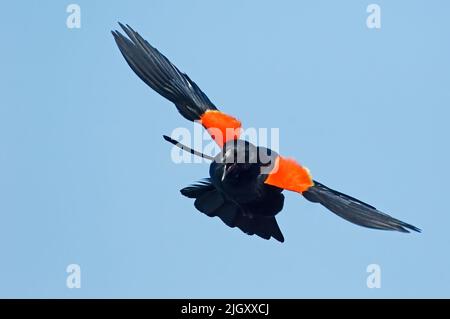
126, 27
408, 229
121, 25
416, 229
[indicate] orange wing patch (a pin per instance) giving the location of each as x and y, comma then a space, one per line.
290, 175
221, 127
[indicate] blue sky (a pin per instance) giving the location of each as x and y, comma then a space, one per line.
86, 178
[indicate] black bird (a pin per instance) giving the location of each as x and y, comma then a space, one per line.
246, 182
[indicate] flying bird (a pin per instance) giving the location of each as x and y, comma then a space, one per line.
245, 183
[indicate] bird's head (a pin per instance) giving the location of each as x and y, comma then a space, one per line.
241, 158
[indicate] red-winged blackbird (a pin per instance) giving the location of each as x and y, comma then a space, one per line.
246, 182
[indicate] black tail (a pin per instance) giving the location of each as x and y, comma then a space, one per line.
210, 201
354, 210
161, 75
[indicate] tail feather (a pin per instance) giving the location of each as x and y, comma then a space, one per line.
161, 75
210, 201
354, 210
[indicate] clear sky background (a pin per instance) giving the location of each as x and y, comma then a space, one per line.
86, 178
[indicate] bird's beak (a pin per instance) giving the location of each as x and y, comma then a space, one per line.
224, 174
228, 167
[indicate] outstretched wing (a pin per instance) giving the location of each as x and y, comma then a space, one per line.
354, 210
161, 75
290, 175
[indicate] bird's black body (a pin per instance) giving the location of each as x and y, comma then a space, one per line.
236, 193
237, 190
239, 171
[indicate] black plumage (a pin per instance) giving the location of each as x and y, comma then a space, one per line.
236, 190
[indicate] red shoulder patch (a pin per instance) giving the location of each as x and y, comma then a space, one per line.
290, 175
221, 127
